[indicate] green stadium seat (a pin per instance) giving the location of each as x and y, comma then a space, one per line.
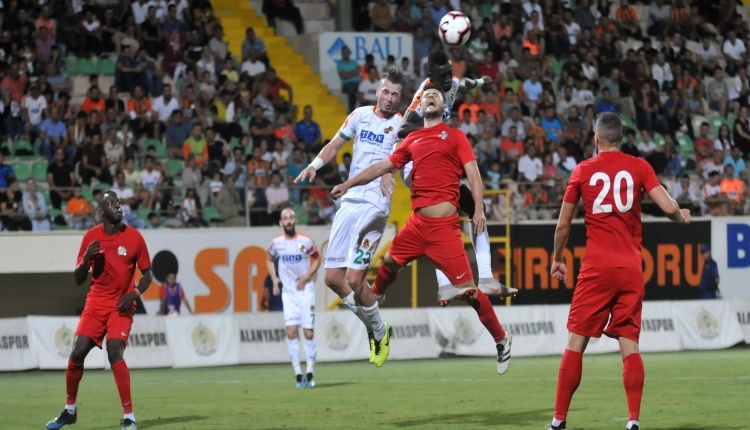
22, 145
626, 121
143, 213
659, 140
85, 66
21, 171
70, 65
47, 199
233, 142
686, 144
39, 171
730, 121
161, 152
87, 193
717, 121
106, 66
175, 167
211, 214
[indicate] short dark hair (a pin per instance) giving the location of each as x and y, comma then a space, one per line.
609, 127
437, 58
394, 75
434, 87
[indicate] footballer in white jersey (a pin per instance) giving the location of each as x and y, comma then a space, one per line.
298, 262
359, 223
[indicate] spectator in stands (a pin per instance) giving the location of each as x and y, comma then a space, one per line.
252, 42
368, 87
307, 129
349, 73
252, 66
277, 196
512, 146
35, 207
114, 149
514, 121
260, 127
11, 115
529, 165
165, 104
712, 197
172, 22
654, 154
195, 145
230, 205
661, 72
44, 44
53, 134
60, 178
739, 89
734, 159
153, 222
741, 132
171, 294
380, 16
6, 172
551, 125
192, 210
320, 208
532, 90
684, 194
709, 283
177, 133
94, 161
128, 71
33, 108
139, 111
647, 107
225, 122
94, 102
703, 146
296, 166
192, 177
152, 34
724, 140
734, 51
280, 92
80, 210
733, 190
14, 82
219, 48
718, 93
12, 214
279, 157
537, 203
715, 163
283, 9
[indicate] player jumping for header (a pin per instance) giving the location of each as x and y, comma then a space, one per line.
440, 74
358, 226
440, 155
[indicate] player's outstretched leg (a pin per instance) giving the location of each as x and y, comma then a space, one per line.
336, 280
487, 282
568, 379
311, 351
488, 317
115, 351
73, 375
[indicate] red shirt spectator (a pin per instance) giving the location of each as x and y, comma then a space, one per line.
489, 67
15, 83
275, 85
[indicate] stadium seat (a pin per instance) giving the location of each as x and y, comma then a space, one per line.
717, 121
626, 121
39, 171
103, 186
161, 152
85, 66
22, 145
87, 193
211, 214
143, 213
106, 66
21, 170
175, 167
686, 144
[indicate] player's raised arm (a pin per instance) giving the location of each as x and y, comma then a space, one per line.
669, 206
366, 176
469, 84
324, 157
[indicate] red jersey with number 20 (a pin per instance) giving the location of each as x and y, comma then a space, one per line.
113, 270
611, 185
439, 154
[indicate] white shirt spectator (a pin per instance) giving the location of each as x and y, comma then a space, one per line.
573, 30
709, 166
181, 6
207, 65
711, 190
529, 26
677, 190
91, 26
723, 146
124, 194
150, 179
503, 66
519, 128
35, 108
532, 89
734, 51
660, 12
164, 109
735, 87
280, 160
646, 147
662, 74
468, 128
253, 68
569, 163
589, 70
140, 11
368, 89
706, 54
529, 169
529, 7
585, 98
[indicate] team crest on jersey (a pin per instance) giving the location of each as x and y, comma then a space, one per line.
388, 130
366, 244
443, 135
302, 248
122, 251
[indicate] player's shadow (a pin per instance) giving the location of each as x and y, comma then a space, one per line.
170, 420
493, 418
693, 427
319, 385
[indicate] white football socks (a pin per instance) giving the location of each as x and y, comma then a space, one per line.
632, 423
71, 408
481, 244
292, 345
441, 278
130, 417
350, 304
373, 314
311, 351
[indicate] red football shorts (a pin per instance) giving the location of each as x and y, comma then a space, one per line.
98, 322
437, 238
607, 293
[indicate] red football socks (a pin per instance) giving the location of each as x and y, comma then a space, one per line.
73, 376
568, 379
122, 379
383, 280
487, 316
633, 375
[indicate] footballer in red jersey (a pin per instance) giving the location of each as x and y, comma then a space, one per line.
111, 251
441, 155
609, 294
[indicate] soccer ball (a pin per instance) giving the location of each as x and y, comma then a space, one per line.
455, 28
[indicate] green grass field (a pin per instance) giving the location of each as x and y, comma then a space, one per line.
687, 390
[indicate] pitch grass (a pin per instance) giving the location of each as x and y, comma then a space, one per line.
688, 390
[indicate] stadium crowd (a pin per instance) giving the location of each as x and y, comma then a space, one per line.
145, 98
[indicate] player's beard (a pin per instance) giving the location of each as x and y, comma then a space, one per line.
433, 115
289, 230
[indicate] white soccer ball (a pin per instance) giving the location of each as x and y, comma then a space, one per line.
455, 28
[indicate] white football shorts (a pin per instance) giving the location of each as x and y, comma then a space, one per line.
355, 235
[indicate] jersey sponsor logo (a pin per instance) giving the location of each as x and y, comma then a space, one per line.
63, 339
364, 122
20, 341
144, 340
295, 258
204, 339
372, 138
336, 259
337, 336
122, 251
263, 335
707, 324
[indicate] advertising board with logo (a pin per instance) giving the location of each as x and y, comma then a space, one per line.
15, 345
380, 45
340, 336
148, 344
741, 309
659, 329
53, 338
202, 340
731, 250
707, 324
263, 338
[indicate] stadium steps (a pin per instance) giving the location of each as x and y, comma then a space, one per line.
238, 15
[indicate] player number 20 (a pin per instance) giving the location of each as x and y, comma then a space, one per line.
607, 184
